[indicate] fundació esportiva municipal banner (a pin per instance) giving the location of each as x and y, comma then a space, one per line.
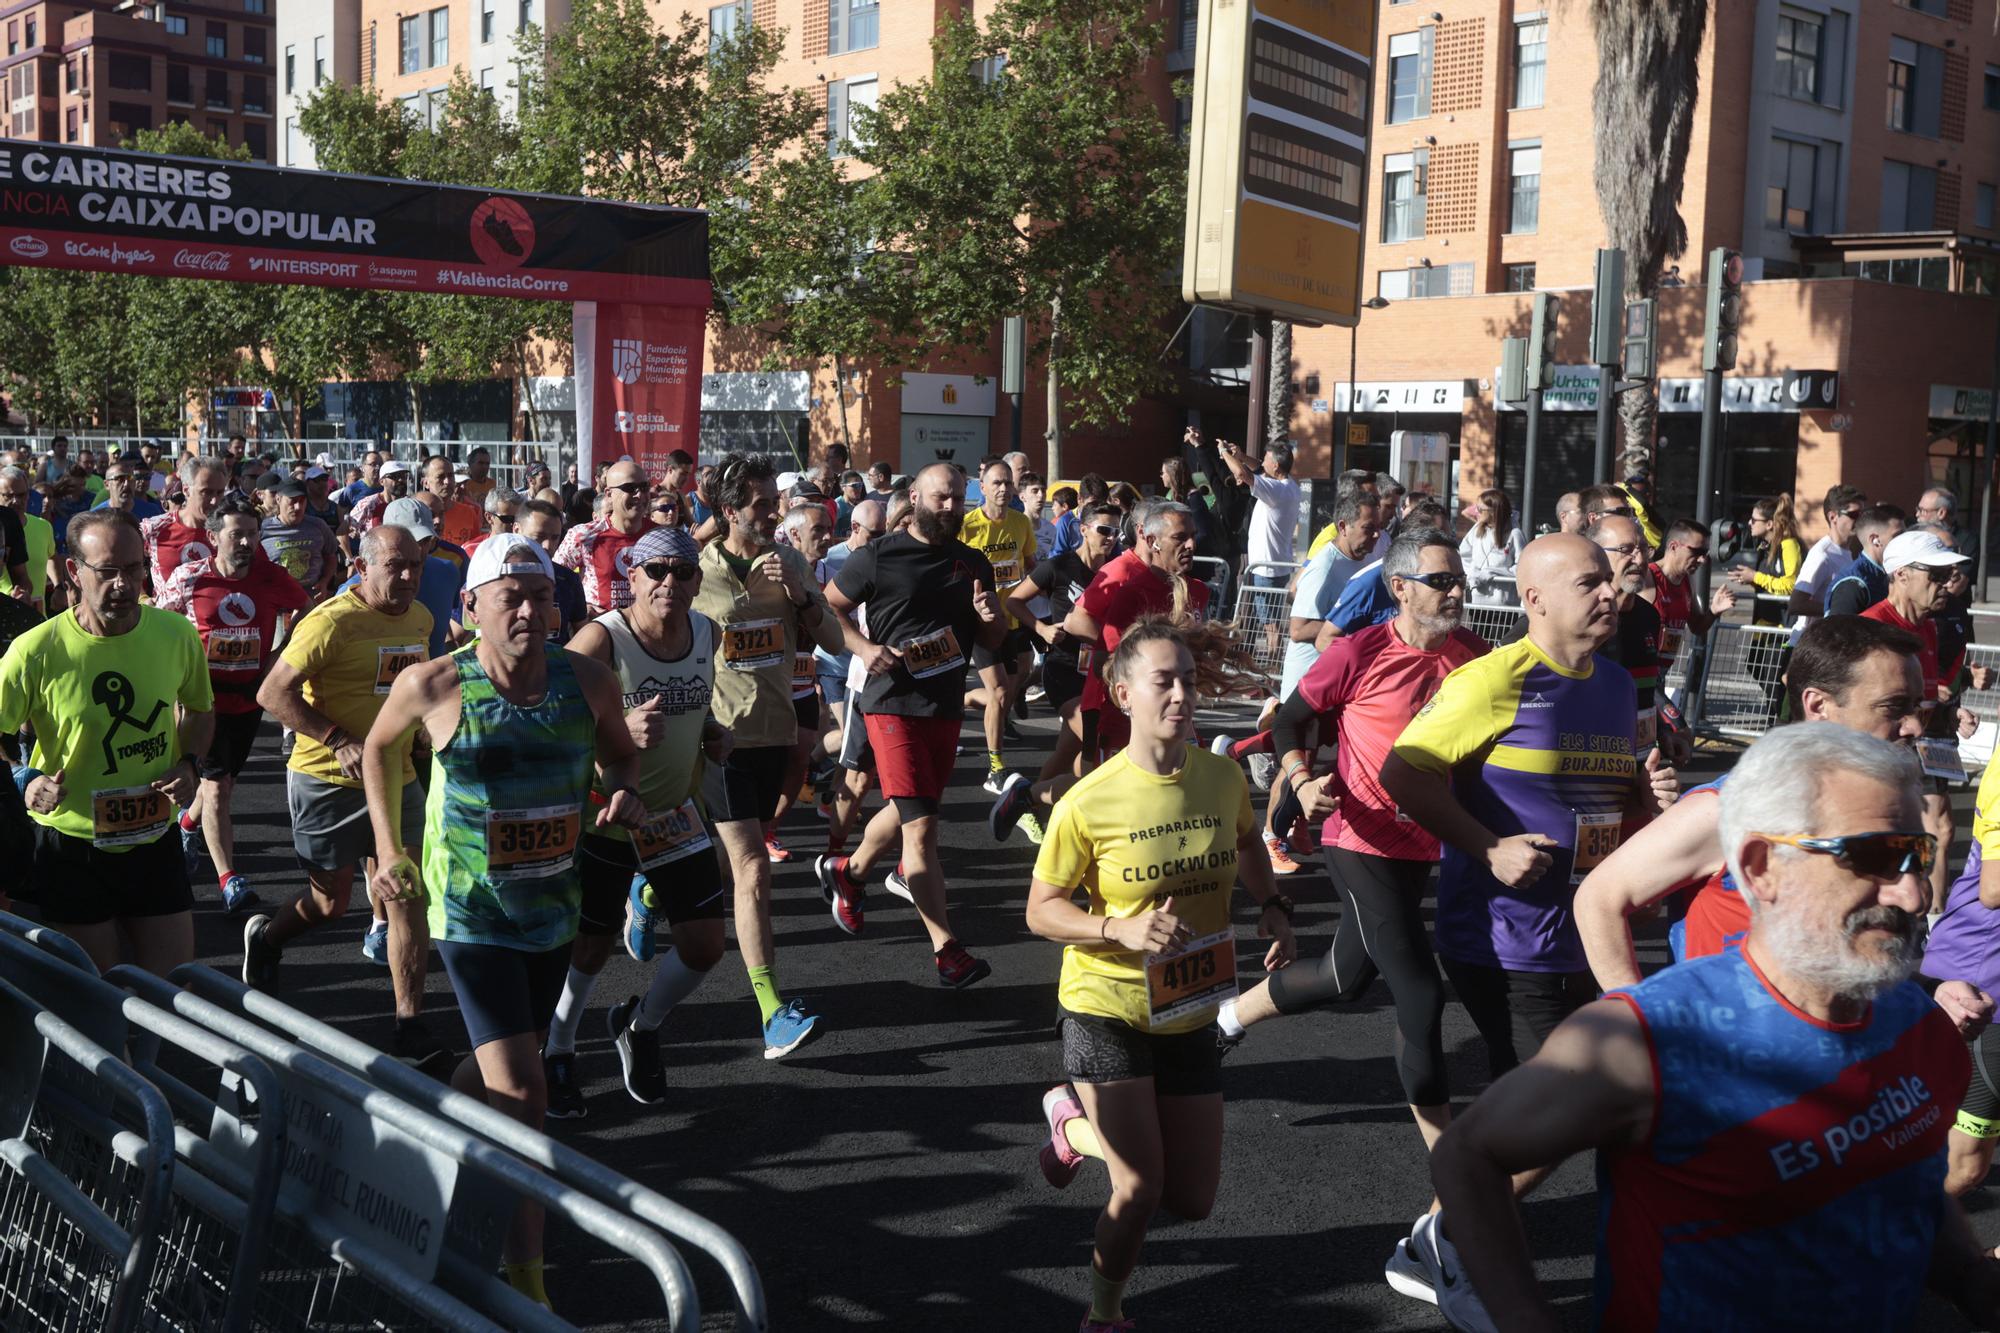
113, 211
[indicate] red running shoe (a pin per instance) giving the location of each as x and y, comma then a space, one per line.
959, 969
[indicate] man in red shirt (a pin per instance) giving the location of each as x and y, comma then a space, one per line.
1671, 589
601, 549
457, 521
234, 599
179, 536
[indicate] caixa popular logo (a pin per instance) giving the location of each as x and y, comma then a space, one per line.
623, 423
503, 235
29, 247
628, 357
202, 261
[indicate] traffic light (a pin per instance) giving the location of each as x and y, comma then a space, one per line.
1725, 309
1542, 341
1641, 359
1607, 308
1513, 370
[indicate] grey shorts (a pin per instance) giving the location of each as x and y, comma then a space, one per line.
330, 828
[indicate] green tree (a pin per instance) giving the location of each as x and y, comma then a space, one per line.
1049, 185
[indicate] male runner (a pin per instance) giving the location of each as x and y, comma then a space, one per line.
1670, 590
926, 595
479, 480
1770, 1122
99, 684
1828, 559
301, 545
368, 511
37, 565
1866, 581
597, 549
515, 727
1006, 538
503, 512
180, 535
457, 521
234, 599
328, 685
762, 597
125, 488
808, 531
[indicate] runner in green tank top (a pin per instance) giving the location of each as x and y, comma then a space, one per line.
514, 727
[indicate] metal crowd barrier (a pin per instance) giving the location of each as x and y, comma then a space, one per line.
1215, 573
246, 1166
1263, 615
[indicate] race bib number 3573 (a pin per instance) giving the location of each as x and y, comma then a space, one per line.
127, 816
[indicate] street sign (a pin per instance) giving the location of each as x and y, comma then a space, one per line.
1278, 157
1357, 433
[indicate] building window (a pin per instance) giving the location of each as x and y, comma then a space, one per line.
291, 141
486, 79
1993, 88
1524, 197
319, 61
853, 25
1792, 187
129, 72
253, 45
256, 93
724, 23
1531, 58
1916, 87
1403, 196
180, 87
1409, 76
1416, 284
1982, 206
486, 21
1799, 37
176, 25
410, 45
440, 37
218, 40
217, 93
1936, 7
256, 6
69, 76
1520, 278
291, 68
842, 96
1909, 197
13, 39
1902, 81
69, 125
257, 138
31, 34
526, 15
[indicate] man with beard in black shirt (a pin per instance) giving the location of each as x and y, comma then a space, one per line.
929, 598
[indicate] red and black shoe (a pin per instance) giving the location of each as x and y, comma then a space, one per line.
959, 969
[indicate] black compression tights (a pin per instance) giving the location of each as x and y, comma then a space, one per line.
1381, 932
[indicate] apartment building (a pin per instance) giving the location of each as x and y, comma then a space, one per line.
86, 72
319, 42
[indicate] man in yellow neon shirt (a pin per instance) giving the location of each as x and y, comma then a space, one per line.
1006, 538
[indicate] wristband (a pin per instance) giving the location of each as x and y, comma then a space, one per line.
1279, 901
328, 740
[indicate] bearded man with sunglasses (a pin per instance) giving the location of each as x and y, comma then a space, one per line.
600, 550
1770, 1122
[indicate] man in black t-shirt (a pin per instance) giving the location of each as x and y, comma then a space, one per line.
929, 599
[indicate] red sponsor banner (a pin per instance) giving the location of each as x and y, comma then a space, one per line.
43, 248
638, 381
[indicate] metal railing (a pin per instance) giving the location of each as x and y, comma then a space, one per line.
1263, 613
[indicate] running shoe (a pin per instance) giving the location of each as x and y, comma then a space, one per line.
1220, 746
1034, 694
638, 1055
375, 944
1060, 1162
774, 851
1015, 797
787, 1030
842, 894
1456, 1300
639, 921
1263, 768
1090, 1325
900, 886
1010, 731
238, 897
959, 969
1224, 1043
416, 1046
565, 1097
1405, 1269
1281, 860
1031, 825
996, 781
193, 848
260, 960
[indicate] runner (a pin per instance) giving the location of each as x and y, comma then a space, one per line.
37, 567
1007, 539
807, 530
513, 725
1524, 765
1829, 558
542, 523
1157, 837
99, 685
479, 480
503, 514
125, 488
457, 522
300, 544
1670, 590
180, 535
596, 550
1752, 1112
369, 510
925, 595
1866, 582
866, 522
234, 599
762, 597
328, 685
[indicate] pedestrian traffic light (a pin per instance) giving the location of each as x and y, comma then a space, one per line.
1725, 309
1641, 358
1607, 308
1513, 370
1542, 341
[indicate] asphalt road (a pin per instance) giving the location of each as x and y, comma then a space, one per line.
884, 1176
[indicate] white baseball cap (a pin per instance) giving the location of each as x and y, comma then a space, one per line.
1917, 547
395, 466
506, 555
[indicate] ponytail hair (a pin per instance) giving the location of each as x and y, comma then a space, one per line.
1223, 668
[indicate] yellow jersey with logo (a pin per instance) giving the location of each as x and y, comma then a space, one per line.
1007, 542
350, 654
1131, 840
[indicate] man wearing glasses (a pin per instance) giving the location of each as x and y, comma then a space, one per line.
1818, 1108
1866, 582
503, 511
600, 550
1671, 588
1828, 560
125, 488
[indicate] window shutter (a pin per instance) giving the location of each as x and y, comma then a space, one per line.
836, 11
1929, 92
836, 115
1427, 42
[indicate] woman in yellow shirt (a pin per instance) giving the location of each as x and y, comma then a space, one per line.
1157, 838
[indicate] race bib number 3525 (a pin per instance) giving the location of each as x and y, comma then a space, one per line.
532, 844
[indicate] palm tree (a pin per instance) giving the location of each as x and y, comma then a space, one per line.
1648, 81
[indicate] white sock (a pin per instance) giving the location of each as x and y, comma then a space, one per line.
673, 981
569, 1013
1226, 1018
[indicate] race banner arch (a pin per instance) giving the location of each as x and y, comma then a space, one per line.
637, 275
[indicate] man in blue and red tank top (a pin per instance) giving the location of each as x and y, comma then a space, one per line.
1770, 1121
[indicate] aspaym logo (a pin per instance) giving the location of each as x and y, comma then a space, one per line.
503, 235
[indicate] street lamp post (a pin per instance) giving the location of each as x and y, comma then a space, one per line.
1347, 418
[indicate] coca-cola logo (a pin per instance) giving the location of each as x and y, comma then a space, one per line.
29, 247
203, 261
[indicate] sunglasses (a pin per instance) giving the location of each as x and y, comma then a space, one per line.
1622, 511
1438, 582
632, 487
1104, 529
1629, 548
1880, 856
1696, 554
681, 570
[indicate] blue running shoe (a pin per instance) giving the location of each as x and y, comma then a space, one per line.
787, 1030
375, 944
639, 921
193, 848
238, 897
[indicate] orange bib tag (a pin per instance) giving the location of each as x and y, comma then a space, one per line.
127, 816
1597, 836
804, 675
1199, 977
933, 654
532, 844
670, 836
753, 645
234, 649
392, 659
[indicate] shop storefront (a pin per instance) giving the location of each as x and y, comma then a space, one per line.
1381, 408
946, 419
756, 412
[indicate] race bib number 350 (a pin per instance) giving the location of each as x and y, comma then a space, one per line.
1199, 977
127, 816
532, 844
1596, 838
